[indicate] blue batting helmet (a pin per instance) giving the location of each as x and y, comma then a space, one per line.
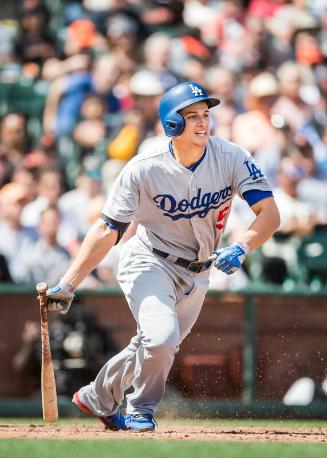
177, 98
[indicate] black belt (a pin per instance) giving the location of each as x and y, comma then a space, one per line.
193, 266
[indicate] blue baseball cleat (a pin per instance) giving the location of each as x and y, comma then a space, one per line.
113, 422
140, 422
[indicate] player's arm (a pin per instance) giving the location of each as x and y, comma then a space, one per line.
267, 221
98, 241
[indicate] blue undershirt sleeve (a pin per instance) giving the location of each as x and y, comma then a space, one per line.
255, 195
112, 226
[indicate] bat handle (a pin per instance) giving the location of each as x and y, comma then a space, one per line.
41, 289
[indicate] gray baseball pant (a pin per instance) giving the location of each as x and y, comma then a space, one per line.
165, 300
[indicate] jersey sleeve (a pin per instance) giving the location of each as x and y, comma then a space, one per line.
247, 174
124, 198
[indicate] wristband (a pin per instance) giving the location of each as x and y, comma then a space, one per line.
245, 247
64, 286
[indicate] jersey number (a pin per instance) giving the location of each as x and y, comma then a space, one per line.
221, 216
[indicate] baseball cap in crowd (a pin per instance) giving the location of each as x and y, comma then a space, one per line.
121, 25
146, 83
304, 20
82, 33
263, 85
98, 5
13, 192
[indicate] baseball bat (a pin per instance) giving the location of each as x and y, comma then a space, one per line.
48, 383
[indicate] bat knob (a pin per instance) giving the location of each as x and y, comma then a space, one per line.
41, 287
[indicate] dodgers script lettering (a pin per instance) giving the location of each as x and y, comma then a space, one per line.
199, 205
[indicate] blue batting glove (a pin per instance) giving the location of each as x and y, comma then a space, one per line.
60, 297
230, 259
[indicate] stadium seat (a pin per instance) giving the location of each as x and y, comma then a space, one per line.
313, 255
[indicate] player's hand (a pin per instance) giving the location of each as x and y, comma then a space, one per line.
231, 258
60, 297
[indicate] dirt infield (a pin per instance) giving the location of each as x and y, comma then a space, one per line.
31, 431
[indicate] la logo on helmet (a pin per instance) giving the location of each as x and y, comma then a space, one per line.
196, 90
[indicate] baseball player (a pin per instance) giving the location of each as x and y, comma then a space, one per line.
180, 196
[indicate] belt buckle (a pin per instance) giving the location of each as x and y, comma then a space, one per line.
195, 266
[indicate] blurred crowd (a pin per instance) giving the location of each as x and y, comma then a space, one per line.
80, 83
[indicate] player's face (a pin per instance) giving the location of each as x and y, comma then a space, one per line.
197, 124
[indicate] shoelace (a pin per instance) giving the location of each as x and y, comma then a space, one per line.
144, 415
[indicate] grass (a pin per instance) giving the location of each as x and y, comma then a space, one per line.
127, 448
24, 448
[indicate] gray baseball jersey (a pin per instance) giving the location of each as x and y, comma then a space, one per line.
179, 211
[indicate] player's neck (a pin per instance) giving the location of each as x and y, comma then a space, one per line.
185, 154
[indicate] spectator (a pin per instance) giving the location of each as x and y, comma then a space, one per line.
14, 137
91, 132
34, 44
290, 105
142, 121
49, 189
222, 83
67, 93
26, 177
194, 70
110, 170
267, 141
146, 89
307, 47
198, 13
95, 129
44, 154
80, 38
256, 50
162, 15
281, 30
48, 260
190, 46
298, 219
74, 207
16, 240
226, 33
123, 40
157, 56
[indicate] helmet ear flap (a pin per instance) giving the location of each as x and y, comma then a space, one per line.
175, 124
